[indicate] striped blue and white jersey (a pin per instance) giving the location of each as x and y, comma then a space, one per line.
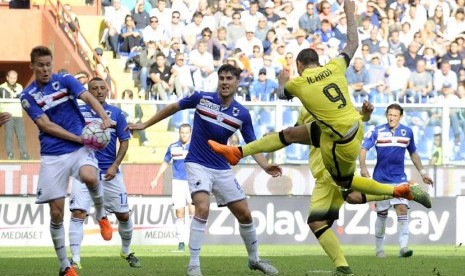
214, 122
177, 152
390, 149
58, 100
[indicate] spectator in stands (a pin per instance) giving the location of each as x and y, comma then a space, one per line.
357, 77
372, 41
133, 113
299, 43
420, 85
290, 65
83, 77
340, 31
160, 74
324, 12
395, 46
444, 75
376, 71
155, 32
272, 67
291, 15
309, 21
15, 125
175, 48
406, 33
214, 47
250, 17
70, 21
219, 12
364, 29
114, 21
436, 156
270, 43
398, 78
380, 94
412, 18
221, 35
192, 32
162, 13
270, 14
279, 55
282, 32
183, 83
387, 59
429, 56
374, 12
146, 59
439, 12
140, 16
248, 41
131, 36
100, 67
235, 29
176, 28
456, 24
411, 56
226, 17
384, 29
262, 28
256, 61
203, 68
453, 57
263, 89
326, 32
429, 33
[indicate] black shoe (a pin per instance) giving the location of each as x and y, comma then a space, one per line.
11, 156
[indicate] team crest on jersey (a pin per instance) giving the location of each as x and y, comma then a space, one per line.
235, 111
403, 132
25, 104
219, 118
55, 86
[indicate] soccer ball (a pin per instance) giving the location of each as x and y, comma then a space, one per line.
94, 137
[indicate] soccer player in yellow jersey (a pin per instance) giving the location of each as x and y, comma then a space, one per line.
323, 91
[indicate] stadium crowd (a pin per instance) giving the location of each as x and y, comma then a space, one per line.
411, 51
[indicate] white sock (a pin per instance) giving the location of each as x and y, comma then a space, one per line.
380, 229
125, 232
402, 229
197, 236
249, 236
97, 197
57, 231
179, 224
76, 234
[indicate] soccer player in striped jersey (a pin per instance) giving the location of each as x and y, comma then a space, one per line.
391, 140
180, 193
114, 190
217, 117
51, 102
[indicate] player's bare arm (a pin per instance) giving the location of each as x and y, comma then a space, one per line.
417, 162
363, 167
123, 148
271, 169
87, 97
162, 169
352, 35
160, 115
49, 127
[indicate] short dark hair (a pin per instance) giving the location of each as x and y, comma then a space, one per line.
40, 51
185, 125
397, 107
95, 79
308, 57
228, 68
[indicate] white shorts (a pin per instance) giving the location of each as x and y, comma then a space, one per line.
55, 172
115, 197
221, 183
386, 204
180, 195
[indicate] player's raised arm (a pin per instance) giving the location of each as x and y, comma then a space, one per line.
352, 35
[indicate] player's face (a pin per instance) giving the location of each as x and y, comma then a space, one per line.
99, 90
227, 84
42, 68
393, 118
184, 134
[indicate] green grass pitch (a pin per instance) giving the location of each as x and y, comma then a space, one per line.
224, 260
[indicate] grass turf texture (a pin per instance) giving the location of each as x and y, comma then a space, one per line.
227, 260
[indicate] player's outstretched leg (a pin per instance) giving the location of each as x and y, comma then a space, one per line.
413, 192
232, 154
